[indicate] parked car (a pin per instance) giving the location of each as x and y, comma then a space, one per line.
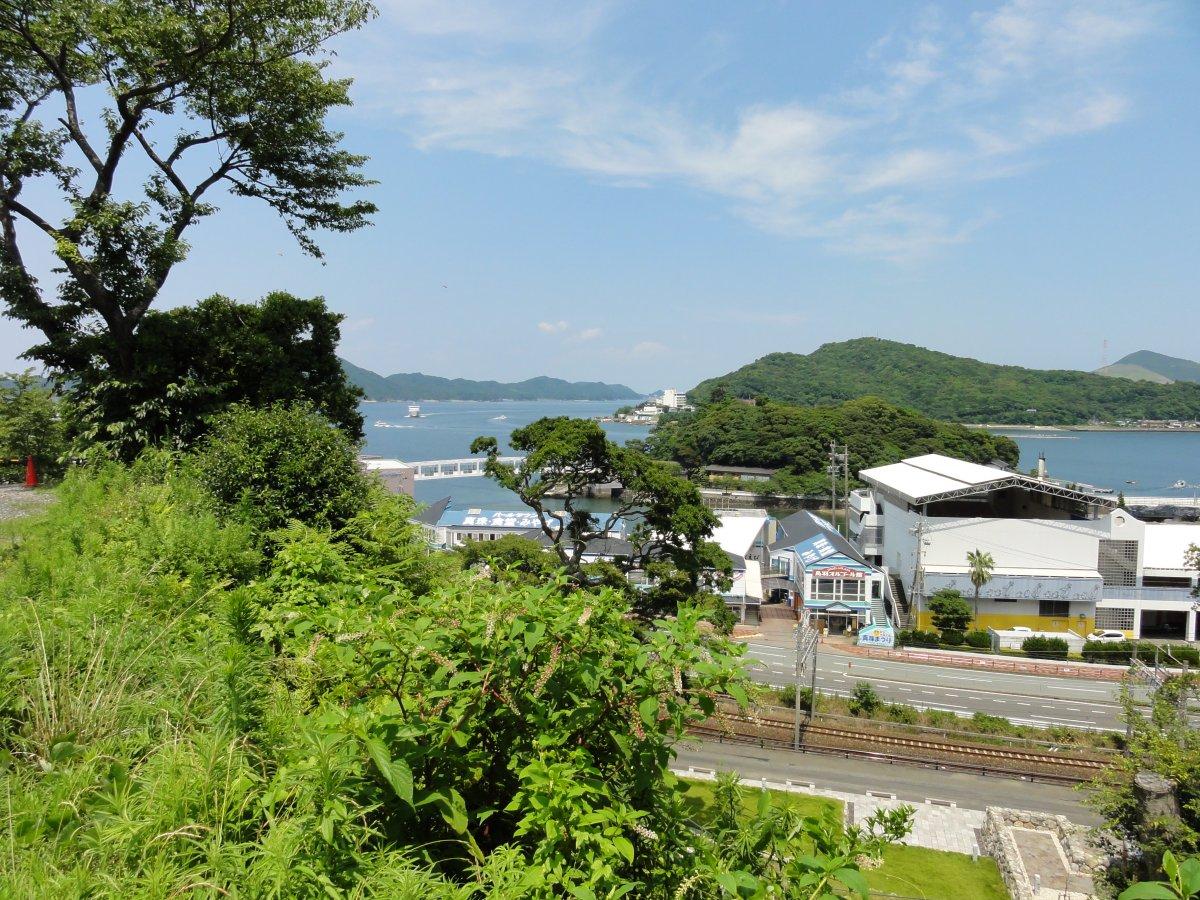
1107, 637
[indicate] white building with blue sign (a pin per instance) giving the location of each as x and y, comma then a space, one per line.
825, 577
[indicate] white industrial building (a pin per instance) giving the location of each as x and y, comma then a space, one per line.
1065, 559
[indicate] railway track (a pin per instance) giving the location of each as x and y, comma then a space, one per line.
1019, 762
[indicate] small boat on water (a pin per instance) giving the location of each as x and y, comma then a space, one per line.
499, 418
1179, 484
414, 411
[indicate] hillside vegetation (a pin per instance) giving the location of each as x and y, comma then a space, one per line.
795, 439
952, 388
1146, 365
416, 386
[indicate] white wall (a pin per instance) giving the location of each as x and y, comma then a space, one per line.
1013, 543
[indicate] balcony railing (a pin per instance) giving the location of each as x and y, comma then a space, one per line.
1183, 595
872, 535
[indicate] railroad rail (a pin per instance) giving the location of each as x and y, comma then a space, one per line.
984, 759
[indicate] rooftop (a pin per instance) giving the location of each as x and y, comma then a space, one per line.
1166, 546
933, 477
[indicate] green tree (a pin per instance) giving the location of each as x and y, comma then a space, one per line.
949, 610
282, 464
1162, 742
31, 423
980, 566
566, 458
1183, 882
208, 94
195, 361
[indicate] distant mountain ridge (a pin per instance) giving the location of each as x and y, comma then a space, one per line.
1146, 365
418, 386
951, 388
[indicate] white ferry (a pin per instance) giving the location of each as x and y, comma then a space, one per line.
414, 411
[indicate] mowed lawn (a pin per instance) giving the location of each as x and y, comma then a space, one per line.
910, 872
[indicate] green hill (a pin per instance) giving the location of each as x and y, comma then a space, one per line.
795, 439
952, 388
416, 386
1133, 373
1146, 365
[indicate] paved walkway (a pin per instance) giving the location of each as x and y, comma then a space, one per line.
935, 826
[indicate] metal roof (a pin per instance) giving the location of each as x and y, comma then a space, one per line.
815, 540
432, 513
932, 477
737, 534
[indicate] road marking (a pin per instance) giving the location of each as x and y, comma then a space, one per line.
1059, 719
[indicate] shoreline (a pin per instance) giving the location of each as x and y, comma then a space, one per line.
1141, 429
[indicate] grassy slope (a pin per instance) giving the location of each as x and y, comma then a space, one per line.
950, 387
906, 871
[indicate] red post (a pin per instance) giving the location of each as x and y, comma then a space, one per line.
30, 473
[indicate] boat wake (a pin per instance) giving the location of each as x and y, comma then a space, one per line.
383, 424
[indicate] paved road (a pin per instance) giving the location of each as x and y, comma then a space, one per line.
1026, 699
912, 783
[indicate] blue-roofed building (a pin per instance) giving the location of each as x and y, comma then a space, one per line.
456, 527
824, 577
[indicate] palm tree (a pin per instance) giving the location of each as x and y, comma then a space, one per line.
981, 565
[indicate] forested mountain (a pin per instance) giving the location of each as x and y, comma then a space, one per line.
1146, 365
795, 439
949, 387
416, 386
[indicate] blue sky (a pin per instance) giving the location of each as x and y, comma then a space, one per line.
653, 193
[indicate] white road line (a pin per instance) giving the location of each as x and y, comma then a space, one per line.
1059, 719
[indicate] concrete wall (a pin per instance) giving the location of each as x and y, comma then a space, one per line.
1013, 543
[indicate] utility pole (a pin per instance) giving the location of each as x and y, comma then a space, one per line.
833, 473
846, 485
919, 574
796, 707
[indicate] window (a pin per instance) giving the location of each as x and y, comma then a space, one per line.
876, 589
879, 509
1166, 581
825, 589
1057, 609
1116, 617
1117, 562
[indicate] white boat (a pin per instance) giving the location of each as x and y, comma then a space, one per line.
1179, 484
499, 418
414, 411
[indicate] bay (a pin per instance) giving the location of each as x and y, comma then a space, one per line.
445, 430
1152, 460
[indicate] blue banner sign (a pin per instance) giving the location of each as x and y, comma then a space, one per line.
877, 636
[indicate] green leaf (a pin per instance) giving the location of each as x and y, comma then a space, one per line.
394, 771
1148, 890
1189, 875
738, 693
454, 811
649, 710
854, 879
624, 847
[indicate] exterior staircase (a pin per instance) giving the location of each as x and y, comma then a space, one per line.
901, 612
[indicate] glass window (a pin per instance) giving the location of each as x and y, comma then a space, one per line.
1054, 608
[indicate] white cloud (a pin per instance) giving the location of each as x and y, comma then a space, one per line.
585, 335
648, 348
552, 327
871, 169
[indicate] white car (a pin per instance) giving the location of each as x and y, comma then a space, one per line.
1107, 637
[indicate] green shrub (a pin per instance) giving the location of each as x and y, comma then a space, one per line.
864, 701
952, 637
1101, 652
906, 715
987, 724
917, 638
281, 464
1041, 647
979, 639
787, 697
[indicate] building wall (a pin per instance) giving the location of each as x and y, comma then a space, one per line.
1003, 615
1013, 543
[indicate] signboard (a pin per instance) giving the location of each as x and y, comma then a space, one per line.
838, 572
1021, 587
877, 636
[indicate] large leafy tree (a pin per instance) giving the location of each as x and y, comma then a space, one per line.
195, 361
566, 458
183, 97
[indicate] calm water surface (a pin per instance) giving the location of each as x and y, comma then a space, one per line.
1152, 460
